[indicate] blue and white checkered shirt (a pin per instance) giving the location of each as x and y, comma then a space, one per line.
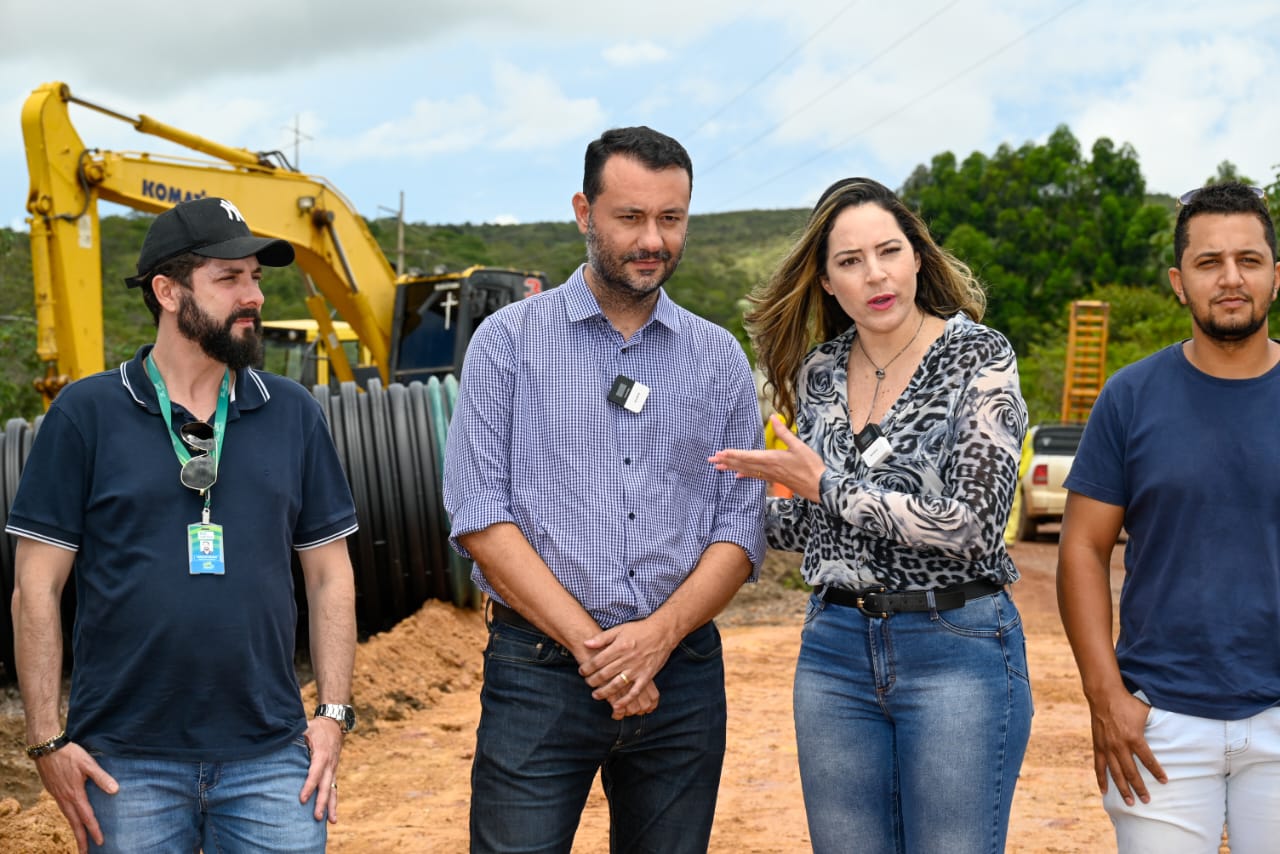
620, 505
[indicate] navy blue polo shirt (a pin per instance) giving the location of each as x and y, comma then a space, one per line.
170, 664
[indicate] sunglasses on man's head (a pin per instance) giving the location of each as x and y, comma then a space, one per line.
1189, 196
200, 472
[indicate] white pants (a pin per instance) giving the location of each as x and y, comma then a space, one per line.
1219, 772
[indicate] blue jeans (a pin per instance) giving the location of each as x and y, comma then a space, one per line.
542, 738
1219, 772
246, 805
911, 730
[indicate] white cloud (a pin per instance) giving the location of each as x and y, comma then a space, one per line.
526, 111
883, 91
634, 53
134, 48
431, 127
535, 112
505, 219
1177, 114
147, 46
486, 106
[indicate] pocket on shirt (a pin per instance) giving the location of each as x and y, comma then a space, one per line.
697, 428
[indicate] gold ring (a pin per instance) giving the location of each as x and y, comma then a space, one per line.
623, 677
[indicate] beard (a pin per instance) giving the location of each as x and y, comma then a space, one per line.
1237, 329
217, 339
611, 271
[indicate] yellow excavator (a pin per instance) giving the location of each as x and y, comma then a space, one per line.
409, 326
390, 342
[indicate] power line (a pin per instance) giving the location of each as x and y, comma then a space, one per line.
771, 71
843, 80
911, 103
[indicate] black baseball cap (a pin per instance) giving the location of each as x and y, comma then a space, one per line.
211, 227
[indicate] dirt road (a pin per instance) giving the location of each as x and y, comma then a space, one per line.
404, 775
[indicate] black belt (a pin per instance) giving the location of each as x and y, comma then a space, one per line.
880, 602
500, 613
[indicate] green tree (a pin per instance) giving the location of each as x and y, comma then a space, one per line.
1042, 224
18, 398
1228, 171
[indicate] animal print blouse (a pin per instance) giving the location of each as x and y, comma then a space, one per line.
933, 513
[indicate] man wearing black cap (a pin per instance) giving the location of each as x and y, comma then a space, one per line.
175, 487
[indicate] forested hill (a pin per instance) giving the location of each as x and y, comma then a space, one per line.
1041, 225
725, 257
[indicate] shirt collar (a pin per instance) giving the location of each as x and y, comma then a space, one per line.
248, 392
581, 303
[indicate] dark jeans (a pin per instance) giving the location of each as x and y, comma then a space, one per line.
542, 738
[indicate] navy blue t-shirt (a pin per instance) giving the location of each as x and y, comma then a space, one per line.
1195, 462
167, 663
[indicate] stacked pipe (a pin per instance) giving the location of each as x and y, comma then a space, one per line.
15, 444
391, 444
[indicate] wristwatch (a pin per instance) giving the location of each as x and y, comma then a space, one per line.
344, 715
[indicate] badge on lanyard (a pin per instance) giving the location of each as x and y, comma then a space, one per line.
205, 554
204, 546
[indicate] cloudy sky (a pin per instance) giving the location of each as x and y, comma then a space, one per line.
479, 110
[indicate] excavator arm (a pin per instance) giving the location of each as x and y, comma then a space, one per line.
334, 248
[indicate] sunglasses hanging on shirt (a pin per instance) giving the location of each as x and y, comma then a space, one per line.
201, 471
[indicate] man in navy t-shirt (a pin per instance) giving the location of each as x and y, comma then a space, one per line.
176, 488
1181, 450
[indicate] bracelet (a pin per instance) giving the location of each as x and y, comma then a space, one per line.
44, 748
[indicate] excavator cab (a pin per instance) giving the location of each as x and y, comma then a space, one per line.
436, 315
296, 349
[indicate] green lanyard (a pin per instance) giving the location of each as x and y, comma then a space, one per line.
219, 423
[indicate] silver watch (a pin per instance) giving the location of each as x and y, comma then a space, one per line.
344, 715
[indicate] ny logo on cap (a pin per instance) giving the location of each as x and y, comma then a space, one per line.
232, 212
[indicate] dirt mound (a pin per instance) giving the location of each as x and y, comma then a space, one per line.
433, 653
35, 831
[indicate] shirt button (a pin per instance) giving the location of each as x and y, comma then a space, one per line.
631, 572
626, 460
631, 515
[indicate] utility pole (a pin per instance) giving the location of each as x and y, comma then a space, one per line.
298, 136
399, 232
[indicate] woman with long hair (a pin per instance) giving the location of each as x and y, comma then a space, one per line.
912, 700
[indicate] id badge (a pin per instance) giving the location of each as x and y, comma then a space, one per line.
204, 545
